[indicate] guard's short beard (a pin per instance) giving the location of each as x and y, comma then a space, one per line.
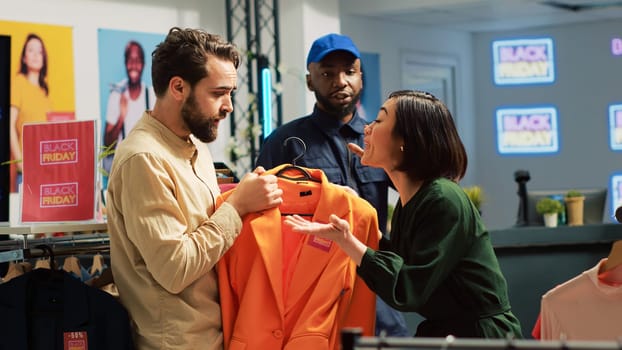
337, 110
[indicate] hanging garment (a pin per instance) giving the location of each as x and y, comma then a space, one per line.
284, 290
587, 307
50, 309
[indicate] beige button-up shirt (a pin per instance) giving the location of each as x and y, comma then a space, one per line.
166, 237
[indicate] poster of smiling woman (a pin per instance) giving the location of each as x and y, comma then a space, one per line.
125, 82
42, 80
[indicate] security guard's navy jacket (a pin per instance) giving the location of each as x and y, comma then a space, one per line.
327, 150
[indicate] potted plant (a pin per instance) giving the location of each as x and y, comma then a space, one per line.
476, 195
574, 204
549, 208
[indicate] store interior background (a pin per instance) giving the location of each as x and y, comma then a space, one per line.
587, 81
456, 32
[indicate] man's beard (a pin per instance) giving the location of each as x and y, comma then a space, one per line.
200, 125
338, 111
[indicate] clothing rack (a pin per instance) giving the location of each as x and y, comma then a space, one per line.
61, 246
352, 339
67, 227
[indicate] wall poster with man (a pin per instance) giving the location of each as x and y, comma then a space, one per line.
371, 99
124, 84
42, 81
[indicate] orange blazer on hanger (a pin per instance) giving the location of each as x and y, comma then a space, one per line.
299, 297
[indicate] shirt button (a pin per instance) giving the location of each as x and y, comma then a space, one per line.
277, 333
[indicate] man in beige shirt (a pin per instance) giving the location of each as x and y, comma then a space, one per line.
165, 233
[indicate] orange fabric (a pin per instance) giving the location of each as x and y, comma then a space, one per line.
292, 244
324, 293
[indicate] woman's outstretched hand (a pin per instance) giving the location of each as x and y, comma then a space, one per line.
335, 230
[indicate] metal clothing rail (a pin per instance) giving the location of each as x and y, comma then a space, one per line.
67, 227
351, 339
61, 246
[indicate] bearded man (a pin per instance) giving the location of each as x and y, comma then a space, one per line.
166, 234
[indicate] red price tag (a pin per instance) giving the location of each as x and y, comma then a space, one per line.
75, 341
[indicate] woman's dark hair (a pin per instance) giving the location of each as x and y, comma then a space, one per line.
23, 69
432, 146
184, 53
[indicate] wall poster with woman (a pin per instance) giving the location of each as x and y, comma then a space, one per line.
5, 58
124, 83
42, 81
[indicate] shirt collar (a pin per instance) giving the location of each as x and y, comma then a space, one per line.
185, 148
328, 123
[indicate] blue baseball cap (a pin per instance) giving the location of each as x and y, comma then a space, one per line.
326, 44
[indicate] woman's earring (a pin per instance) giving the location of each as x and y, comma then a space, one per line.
402, 148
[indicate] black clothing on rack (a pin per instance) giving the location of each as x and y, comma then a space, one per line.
43, 308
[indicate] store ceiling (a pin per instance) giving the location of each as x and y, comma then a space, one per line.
484, 15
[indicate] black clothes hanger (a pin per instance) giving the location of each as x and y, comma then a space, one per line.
302, 143
49, 254
305, 174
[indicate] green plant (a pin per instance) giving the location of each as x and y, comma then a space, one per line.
105, 151
476, 195
549, 206
574, 193
13, 161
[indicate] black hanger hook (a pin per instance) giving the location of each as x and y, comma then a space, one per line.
50, 253
304, 147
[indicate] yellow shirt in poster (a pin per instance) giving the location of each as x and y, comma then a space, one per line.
31, 102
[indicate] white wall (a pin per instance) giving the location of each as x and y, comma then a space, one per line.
86, 16
301, 22
587, 81
293, 46
392, 39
